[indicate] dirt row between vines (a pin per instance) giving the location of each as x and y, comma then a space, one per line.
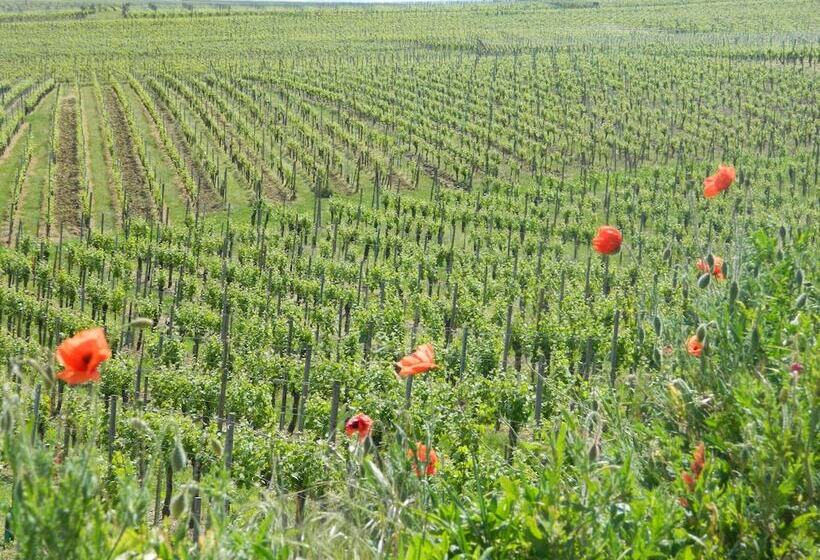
68, 190
140, 200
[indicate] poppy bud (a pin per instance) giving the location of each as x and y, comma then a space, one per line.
667, 254
798, 277
141, 323
733, 290
45, 373
782, 233
15, 371
178, 505
779, 254
724, 269
801, 341
701, 333
6, 420
656, 357
216, 447
138, 425
755, 338
178, 457
703, 281
801, 300
594, 451
656, 323
710, 259
675, 395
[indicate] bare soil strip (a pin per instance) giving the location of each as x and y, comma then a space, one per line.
140, 201
87, 143
67, 179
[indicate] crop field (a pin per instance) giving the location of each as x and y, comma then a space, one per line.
489, 280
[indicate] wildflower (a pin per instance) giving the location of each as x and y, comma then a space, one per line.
796, 369
668, 350
421, 458
717, 268
694, 346
360, 423
698, 460
718, 182
420, 361
81, 356
689, 480
696, 467
607, 240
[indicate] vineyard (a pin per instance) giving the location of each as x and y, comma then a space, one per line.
481, 280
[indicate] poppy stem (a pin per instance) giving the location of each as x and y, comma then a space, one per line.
408, 391
36, 406
112, 428
334, 412
539, 390
229, 455
613, 356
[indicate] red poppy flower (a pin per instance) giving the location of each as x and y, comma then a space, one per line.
717, 269
607, 240
688, 480
420, 361
81, 355
423, 460
718, 182
694, 346
698, 460
696, 467
360, 423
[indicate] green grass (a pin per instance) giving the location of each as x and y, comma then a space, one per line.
36, 184
99, 173
11, 162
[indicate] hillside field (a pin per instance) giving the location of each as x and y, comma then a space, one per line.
488, 280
